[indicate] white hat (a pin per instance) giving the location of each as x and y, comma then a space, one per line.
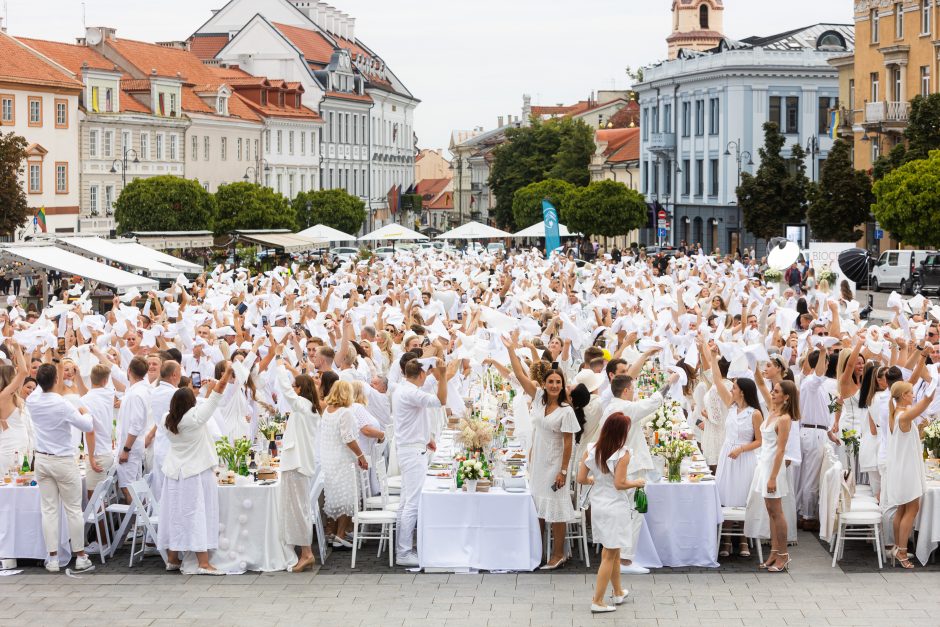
591, 380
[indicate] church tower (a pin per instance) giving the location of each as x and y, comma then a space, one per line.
696, 25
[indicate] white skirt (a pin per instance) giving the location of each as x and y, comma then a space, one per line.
189, 513
296, 514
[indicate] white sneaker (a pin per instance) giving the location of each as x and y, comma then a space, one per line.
83, 564
93, 549
633, 569
407, 559
52, 565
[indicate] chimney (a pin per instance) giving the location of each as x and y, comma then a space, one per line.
108, 33
499, 123
351, 24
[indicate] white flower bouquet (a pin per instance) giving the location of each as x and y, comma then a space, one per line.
474, 434
470, 470
851, 439
668, 422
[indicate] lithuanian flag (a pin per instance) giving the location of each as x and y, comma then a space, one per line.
41, 219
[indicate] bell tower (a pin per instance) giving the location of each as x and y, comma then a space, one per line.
696, 25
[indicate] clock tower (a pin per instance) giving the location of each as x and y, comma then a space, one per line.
696, 25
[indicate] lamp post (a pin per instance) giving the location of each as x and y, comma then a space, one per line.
739, 157
670, 171
812, 149
459, 190
123, 163
255, 173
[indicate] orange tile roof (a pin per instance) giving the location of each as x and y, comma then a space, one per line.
71, 56
622, 144
304, 113
342, 95
432, 187
129, 103
311, 43
207, 46
443, 202
135, 84
22, 64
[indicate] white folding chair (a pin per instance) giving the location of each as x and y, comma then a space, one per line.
735, 516
315, 493
145, 511
576, 528
385, 520
384, 499
96, 514
856, 520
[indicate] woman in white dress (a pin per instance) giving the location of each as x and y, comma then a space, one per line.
14, 432
189, 503
369, 429
905, 484
340, 453
770, 478
604, 466
873, 381
850, 369
553, 427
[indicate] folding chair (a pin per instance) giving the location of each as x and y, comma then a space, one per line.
315, 493
96, 514
386, 521
146, 512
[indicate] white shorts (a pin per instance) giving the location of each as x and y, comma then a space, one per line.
130, 471
92, 478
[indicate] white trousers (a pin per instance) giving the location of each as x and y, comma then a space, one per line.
812, 449
413, 464
60, 482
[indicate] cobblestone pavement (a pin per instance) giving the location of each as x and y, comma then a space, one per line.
812, 593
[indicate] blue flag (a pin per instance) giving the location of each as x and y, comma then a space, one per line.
552, 239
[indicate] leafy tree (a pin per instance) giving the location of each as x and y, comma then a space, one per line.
251, 206
907, 202
605, 208
559, 148
12, 195
922, 135
774, 196
527, 202
842, 199
333, 207
164, 203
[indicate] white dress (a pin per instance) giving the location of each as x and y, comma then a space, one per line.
337, 429
852, 415
714, 430
765, 463
611, 509
734, 476
14, 440
905, 479
547, 450
868, 449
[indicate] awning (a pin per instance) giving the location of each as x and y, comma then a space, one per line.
47, 258
538, 230
161, 257
474, 230
392, 232
96, 247
324, 232
281, 240
169, 240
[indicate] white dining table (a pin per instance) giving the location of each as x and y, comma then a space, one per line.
21, 525
681, 526
927, 523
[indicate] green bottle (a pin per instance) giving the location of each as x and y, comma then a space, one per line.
25, 469
243, 468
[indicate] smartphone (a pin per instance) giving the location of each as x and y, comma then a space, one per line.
554, 488
264, 321
197, 380
242, 308
613, 312
459, 316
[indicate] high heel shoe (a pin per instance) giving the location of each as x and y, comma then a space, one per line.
780, 569
725, 550
770, 560
744, 550
555, 566
905, 561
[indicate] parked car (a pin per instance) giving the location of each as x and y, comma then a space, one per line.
926, 276
384, 252
895, 269
497, 248
346, 253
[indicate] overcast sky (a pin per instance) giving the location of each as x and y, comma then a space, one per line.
468, 62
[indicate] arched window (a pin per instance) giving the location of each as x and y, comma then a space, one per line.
703, 17
698, 232
831, 41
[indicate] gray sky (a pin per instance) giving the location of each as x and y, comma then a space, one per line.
468, 62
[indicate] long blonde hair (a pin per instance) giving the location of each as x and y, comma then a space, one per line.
899, 389
359, 393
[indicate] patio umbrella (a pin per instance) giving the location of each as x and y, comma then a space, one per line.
855, 264
474, 230
538, 230
392, 232
327, 233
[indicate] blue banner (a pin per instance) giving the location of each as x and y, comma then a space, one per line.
552, 239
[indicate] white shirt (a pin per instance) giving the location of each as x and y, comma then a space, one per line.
410, 413
299, 444
100, 405
640, 413
53, 418
379, 406
134, 415
160, 399
192, 450
204, 365
814, 401
879, 415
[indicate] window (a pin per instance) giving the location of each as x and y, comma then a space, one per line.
793, 115
667, 181
172, 104
238, 149
898, 92
699, 177
703, 17
774, 112
290, 185
667, 118
713, 179
851, 94
221, 105
875, 86
108, 144
279, 177
145, 146
655, 189
93, 143
280, 142
925, 20
108, 100
173, 147
224, 148
195, 148
35, 110
7, 110
823, 114
686, 177
61, 177
699, 118
290, 142
267, 142
205, 148
713, 116
686, 119
925, 80
256, 150
93, 199
108, 198
125, 140
875, 20
303, 142
35, 178
899, 20
654, 119
264, 98
61, 113
645, 123
158, 144
313, 143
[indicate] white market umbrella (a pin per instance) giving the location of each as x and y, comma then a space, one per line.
392, 232
538, 230
328, 233
474, 230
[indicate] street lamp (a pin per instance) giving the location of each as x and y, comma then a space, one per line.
812, 148
739, 157
254, 171
123, 163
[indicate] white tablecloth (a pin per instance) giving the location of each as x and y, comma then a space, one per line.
494, 530
249, 531
21, 525
928, 523
683, 521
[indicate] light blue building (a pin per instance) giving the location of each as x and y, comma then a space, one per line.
702, 117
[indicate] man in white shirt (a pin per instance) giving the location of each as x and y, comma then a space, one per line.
199, 361
132, 425
815, 424
379, 404
414, 432
56, 466
99, 401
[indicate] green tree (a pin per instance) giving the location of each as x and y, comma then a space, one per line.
605, 208
922, 135
841, 200
776, 194
907, 202
527, 201
251, 206
12, 195
332, 207
558, 148
164, 203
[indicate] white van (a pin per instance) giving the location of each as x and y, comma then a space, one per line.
895, 268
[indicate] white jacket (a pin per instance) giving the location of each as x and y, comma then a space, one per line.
300, 437
192, 450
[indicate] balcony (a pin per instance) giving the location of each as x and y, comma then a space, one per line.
662, 142
887, 113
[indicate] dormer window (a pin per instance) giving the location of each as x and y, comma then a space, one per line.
280, 98
264, 97
221, 105
173, 109
297, 101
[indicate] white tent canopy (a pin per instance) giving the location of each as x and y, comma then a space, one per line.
474, 230
161, 257
326, 233
111, 251
53, 258
392, 232
278, 239
538, 230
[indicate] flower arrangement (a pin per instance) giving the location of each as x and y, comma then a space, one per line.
826, 274
474, 433
470, 470
932, 438
773, 276
851, 439
232, 454
651, 379
668, 423
674, 451
271, 424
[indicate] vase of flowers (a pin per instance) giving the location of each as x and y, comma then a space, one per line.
474, 433
470, 471
233, 454
773, 276
674, 451
668, 423
932, 438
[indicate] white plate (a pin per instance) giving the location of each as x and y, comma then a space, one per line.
514, 490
